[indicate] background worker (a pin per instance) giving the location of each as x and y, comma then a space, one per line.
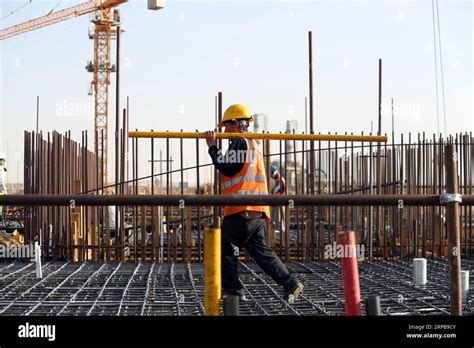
279, 183
278, 212
242, 172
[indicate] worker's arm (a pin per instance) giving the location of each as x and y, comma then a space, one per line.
226, 164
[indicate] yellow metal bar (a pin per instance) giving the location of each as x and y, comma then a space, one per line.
270, 136
212, 271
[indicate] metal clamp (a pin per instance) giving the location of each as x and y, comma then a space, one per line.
446, 198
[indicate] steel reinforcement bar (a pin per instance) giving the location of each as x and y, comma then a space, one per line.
261, 136
216, 200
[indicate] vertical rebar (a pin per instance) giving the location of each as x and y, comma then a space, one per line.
379, 164
117, 137
282, 209
123, 136
287, 210
470, 162
85, 236
452, 212
127, 145
37, 113
183, 230
153, 222
321, 211
168, 225
311, 130
198, 189
137, 191
219, 119
371, 208
298, 238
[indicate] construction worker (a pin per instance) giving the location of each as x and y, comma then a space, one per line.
279, 184
3, 179
242, 172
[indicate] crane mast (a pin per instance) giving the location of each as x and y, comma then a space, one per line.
104, 21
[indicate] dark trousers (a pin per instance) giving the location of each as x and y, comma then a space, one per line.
238, 232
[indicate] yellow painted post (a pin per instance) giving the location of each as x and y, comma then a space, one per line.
212, 271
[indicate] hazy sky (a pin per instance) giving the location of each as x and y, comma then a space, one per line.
174, 62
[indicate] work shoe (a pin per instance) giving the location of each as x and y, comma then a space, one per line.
292, 294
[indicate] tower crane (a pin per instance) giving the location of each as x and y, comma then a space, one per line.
105, 17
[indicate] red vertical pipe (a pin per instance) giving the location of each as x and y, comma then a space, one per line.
350, 273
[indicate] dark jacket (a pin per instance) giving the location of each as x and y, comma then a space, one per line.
222, 163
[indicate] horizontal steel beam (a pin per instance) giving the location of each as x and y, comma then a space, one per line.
220, 200
267, 136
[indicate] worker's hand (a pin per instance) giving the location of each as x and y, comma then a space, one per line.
210, 138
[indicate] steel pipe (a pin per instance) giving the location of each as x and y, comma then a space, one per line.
212, 271
454, 229
218, 200
350, 272
372, 306
265, 136
231, 305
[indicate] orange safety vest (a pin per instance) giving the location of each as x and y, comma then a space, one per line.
250, 180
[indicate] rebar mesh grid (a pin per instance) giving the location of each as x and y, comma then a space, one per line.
84, 289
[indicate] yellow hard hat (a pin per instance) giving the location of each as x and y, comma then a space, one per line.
235, 112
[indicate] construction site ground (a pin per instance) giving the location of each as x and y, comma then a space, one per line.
110, 289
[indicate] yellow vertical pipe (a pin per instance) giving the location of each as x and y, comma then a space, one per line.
212, 271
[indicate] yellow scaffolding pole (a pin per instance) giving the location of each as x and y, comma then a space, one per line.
212, 271
266, 136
